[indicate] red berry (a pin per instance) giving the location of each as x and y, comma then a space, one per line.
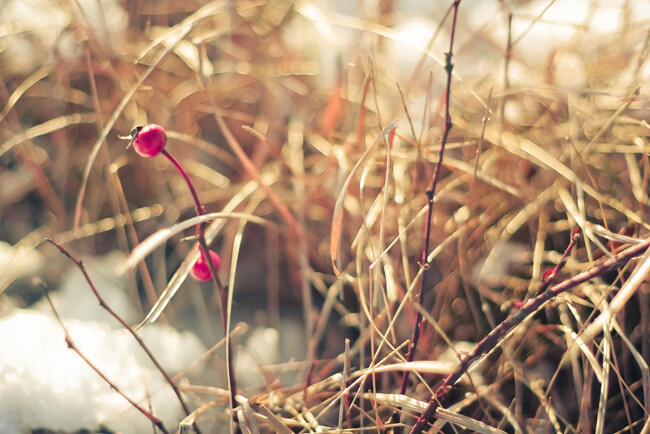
201, 270
149, 140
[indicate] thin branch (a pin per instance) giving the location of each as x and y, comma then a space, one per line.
550, 275
417, 328
79, 263
70, 343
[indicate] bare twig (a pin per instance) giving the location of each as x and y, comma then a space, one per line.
73, 346
550, 276
79, 263
417, 328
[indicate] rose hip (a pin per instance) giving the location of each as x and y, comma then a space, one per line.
201, 270
149, 140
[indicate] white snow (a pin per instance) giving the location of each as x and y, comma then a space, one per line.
261, 349
75, 299
45, 384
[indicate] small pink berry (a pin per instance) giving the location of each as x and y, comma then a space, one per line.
201, 270
149, 140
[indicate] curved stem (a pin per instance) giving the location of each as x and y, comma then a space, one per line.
205, 251
121, 320
197, 203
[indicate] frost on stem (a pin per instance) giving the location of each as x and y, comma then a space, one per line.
201, 270
149, 140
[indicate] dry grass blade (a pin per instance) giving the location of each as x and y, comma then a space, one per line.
38, 75
177, 33
586, 351
498, 335
186, 424
12, 271
276, 423
629, 288
408, 403
316, 14
183, 270
530, 151
482, 176
144, 249
646, 427
641, 363
604, 384
250, 417
423, 367
347, 253
47, 127
586, 226
337, 217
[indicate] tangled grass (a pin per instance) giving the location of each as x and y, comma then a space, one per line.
315, 134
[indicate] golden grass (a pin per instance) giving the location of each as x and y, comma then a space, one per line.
282, 113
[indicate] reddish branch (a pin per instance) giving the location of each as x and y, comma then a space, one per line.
200, 233
490, 341
79, 263
70, 343
551, 275
417, 328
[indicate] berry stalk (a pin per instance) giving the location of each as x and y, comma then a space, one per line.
149, 141
206, 255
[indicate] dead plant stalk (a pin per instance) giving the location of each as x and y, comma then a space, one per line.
417, 327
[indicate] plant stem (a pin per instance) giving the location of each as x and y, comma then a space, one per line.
200, 233
549, 278
79, 263
197, 203
205, 250
71, 344
489, 342
417, 328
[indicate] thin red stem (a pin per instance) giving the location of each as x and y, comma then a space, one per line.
197, 203
71, 344
550, 277
417, 328
205, 251
200, 233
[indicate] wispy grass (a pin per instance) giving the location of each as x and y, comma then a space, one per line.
299, 118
